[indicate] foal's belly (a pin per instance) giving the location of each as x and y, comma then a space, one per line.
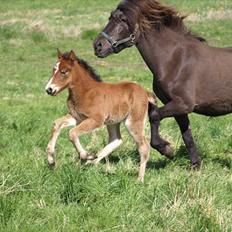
213, 109
110, 120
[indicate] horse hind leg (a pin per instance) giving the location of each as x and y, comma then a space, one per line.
136, 130
184, 124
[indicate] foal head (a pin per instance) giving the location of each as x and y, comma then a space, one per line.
62, 73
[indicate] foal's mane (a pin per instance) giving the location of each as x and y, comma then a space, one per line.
151, 13
86, 66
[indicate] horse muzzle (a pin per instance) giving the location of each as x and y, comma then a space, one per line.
51, 91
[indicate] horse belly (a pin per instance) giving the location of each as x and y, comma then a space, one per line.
117, 113
214, 109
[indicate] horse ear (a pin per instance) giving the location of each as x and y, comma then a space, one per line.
72, 56
59, 53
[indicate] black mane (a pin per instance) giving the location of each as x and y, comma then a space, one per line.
151, 13
86, 66
89, 69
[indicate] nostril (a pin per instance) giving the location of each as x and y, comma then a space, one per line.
49, 90
99, 46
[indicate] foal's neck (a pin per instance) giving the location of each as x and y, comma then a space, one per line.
81, 83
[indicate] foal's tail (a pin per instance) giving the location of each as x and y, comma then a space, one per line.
152, 98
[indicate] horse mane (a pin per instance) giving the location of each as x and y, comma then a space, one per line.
86, 66
152, 14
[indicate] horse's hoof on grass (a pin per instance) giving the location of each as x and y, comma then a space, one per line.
91, 157
168, 152
52, 165
163, 147
196, 166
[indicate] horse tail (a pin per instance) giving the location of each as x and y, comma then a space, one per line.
152, 98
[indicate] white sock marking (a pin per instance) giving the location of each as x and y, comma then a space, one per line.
109, 148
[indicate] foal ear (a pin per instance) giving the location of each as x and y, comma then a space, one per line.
72, 55
59, 53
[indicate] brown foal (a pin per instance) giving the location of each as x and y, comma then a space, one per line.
93, 103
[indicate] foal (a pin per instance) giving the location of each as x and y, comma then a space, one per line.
93, 103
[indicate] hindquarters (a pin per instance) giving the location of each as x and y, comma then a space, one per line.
135, 120
135, 125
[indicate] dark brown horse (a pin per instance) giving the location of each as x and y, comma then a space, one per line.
189, 75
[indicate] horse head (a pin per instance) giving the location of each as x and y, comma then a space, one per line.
117, 35
62, 73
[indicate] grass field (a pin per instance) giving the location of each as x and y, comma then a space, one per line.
74, 197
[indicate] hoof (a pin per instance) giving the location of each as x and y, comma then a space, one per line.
51, 165
164, 149
196, 165
91, 157
167, 151
87, 156
93, 161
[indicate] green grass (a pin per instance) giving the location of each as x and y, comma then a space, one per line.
74, 197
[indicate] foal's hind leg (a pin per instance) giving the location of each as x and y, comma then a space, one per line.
114, 142
58, 124
136, 130
157, 142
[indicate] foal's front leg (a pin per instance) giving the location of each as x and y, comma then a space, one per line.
85, 126
58, 124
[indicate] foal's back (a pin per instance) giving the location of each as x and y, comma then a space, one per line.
118, 101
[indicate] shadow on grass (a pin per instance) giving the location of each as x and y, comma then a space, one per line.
224, 162
134, 155
158, 164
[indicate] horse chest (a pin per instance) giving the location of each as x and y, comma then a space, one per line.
73, 110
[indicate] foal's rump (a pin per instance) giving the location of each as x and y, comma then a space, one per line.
126, 98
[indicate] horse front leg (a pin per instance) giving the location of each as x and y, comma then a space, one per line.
175, 108
157, 142
58, 124
184, 124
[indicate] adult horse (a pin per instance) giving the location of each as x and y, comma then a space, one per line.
189, 75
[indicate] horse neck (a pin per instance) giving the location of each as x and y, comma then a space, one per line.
81, 83
157, 48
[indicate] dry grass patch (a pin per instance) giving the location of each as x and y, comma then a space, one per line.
210, 15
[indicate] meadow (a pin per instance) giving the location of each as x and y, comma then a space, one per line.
75, 197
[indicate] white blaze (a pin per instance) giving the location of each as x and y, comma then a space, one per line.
49, 84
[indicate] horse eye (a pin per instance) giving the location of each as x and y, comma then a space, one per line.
63, 72
123, 20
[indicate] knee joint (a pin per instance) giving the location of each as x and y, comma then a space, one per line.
72, 135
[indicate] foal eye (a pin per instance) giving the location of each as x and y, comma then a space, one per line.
64, 72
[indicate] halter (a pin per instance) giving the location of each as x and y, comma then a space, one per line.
116, 43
